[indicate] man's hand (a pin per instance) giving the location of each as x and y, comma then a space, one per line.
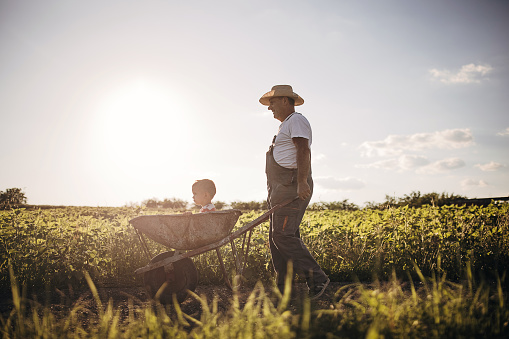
303, 190
303, 167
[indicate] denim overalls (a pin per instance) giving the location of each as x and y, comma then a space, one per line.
284, 236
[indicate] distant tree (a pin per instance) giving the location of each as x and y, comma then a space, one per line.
220, 205
249, 206
371, 205
174, 203
317, 206
447, 199
12, 198
390, 201
334, 206
151, 203
341, 205
416, 199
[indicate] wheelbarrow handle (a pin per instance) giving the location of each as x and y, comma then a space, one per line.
282, 204
261, 218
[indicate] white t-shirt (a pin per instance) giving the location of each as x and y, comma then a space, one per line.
294, 126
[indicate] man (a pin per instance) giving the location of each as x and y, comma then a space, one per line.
288, 169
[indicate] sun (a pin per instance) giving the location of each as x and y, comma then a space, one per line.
137, 124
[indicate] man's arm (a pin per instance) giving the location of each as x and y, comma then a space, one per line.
303, 167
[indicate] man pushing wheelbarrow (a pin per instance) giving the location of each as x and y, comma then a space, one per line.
288, 169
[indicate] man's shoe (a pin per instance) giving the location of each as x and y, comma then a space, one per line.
318, 290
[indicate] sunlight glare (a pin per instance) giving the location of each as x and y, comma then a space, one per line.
138, 125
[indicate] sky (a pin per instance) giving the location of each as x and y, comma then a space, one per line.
109, 103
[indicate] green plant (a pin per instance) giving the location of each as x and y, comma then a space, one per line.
53, 246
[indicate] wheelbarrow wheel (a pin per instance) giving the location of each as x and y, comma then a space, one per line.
183, 277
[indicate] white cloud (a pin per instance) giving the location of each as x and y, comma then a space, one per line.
419, 163
388, 164
319, 157
442, 166
468, 74
410, 162
504, 132
396, 144
490, 167
473, 183
344, 184
403, 163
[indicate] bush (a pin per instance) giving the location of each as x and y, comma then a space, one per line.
220, 205
416, 199
173, 203
12, 198
151, 203
334, 206
251, 205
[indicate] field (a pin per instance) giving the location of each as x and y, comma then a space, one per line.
399, 272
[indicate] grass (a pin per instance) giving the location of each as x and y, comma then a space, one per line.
430, 308
459, 289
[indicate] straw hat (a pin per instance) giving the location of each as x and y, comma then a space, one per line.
281, 91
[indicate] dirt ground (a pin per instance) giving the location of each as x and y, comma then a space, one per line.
60, 302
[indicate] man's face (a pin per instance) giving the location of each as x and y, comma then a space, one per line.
277, 107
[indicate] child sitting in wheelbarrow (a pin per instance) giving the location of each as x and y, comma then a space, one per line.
203, 192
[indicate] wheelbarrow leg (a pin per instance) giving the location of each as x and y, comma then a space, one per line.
225, 274
246, 252
238, 266
244, 241
143, 244
236, 257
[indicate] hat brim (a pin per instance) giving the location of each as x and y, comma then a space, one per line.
265, 99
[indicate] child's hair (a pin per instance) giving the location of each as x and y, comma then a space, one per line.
205, 185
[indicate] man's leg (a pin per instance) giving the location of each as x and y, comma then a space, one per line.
278, 261
286, 239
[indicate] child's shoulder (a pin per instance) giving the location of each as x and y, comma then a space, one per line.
208, 208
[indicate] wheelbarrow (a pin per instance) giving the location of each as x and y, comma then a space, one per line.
188, 236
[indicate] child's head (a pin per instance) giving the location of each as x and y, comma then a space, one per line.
203, 191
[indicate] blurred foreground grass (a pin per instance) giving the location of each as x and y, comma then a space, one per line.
431, 308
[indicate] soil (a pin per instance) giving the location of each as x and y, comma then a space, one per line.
61, 302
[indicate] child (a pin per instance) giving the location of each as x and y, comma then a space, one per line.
203, 192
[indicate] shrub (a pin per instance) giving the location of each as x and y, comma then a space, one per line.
12, 198
334, 206
220, 205
173, 203
251, 205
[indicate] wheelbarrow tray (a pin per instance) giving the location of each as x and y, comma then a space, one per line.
187, 232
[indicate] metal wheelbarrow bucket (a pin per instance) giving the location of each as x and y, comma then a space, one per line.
187, 232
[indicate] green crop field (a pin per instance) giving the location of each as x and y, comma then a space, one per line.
444, 270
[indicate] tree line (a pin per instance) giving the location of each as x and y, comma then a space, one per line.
414, 199
16, 198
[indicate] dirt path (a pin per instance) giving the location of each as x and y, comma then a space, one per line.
61, 302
